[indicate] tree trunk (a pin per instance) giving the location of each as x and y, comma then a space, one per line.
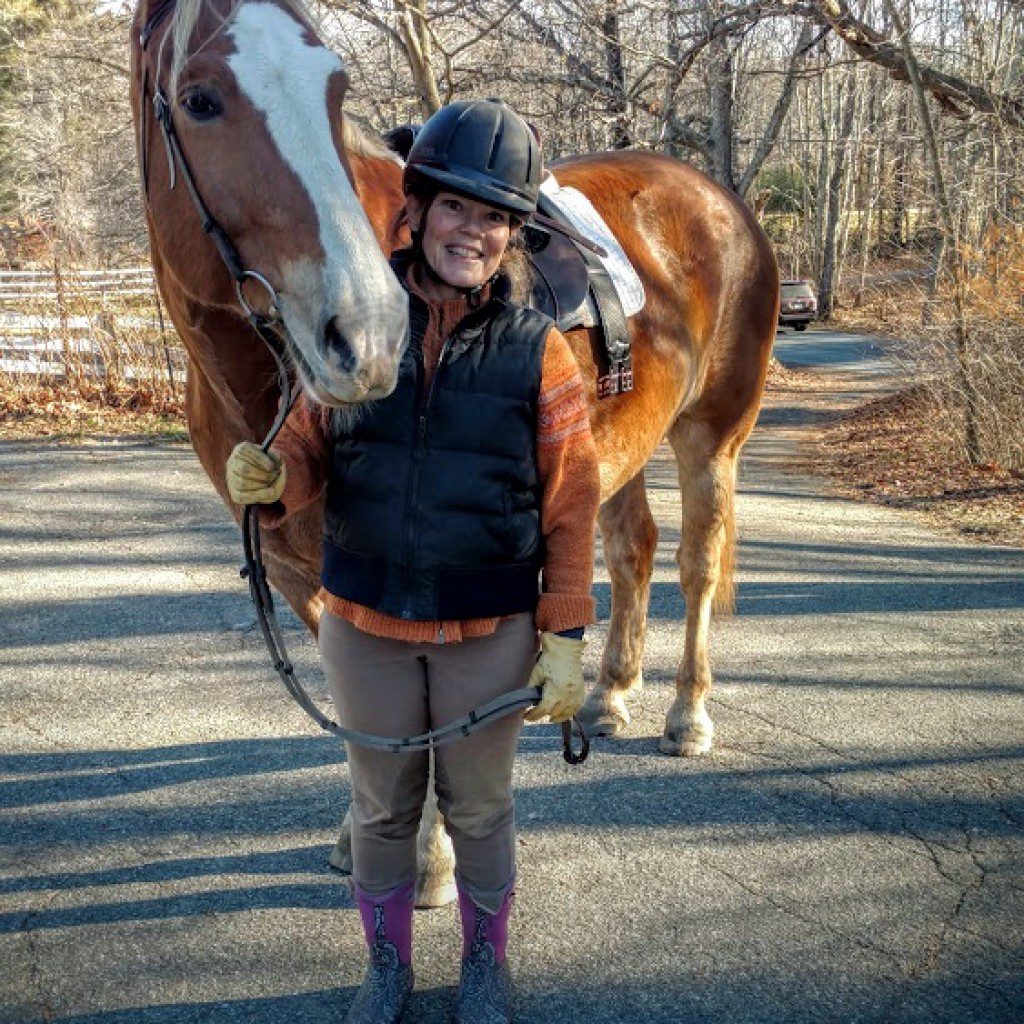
617, 106
720, 86
414, 26
960, 330
844, 110
779, 112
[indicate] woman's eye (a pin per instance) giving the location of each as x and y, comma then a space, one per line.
201, 106
453, 204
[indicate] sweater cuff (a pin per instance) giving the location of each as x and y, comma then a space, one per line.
563, 611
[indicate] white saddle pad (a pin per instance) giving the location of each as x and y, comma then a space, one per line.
588, 222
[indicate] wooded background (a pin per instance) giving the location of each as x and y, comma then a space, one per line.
879, 142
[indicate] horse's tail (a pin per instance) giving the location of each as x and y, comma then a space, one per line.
724, 601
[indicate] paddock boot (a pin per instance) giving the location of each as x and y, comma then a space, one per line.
387, 925
485, 985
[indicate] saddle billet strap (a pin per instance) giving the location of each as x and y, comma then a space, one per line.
619, 377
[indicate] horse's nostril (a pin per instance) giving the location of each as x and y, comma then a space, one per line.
339, 346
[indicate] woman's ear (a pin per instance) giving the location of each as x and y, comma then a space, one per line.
413, 212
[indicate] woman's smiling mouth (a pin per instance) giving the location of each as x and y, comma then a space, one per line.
463, 252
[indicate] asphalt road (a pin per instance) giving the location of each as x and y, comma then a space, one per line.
852, 851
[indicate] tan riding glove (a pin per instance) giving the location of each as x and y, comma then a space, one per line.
254, 477
559, 670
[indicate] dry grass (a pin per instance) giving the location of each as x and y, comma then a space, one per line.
101, 365
895, 451
58, 410
987, 375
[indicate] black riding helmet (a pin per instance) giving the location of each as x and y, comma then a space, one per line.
482, 149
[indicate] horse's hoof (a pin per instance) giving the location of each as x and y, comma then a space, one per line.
604, 713
689, 743
689, 731
341, 856
435, 892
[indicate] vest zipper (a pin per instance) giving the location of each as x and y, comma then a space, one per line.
410, 478
419, 450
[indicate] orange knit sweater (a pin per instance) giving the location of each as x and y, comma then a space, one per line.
567, 465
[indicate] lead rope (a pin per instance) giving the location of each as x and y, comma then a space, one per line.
254, 569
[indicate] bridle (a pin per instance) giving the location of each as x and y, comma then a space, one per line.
270, 328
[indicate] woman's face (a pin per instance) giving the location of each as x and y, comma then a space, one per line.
463, 240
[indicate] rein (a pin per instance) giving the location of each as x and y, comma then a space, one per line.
267, 328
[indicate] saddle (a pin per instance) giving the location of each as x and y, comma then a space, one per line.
570, 282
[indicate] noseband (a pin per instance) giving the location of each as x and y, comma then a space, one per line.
269, 327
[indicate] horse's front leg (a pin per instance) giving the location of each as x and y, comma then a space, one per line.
435, 858
707, 484
630, 538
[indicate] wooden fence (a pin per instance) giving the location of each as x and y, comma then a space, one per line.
35, 287
86, 323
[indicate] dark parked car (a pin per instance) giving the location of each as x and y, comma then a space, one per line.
799, 304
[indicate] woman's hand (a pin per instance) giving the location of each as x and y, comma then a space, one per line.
254, 477
559, 670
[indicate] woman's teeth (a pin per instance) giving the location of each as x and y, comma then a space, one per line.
466, 254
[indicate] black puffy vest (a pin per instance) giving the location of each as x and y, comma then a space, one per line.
433, 505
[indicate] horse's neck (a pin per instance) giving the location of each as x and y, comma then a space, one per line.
378, 183
233, 371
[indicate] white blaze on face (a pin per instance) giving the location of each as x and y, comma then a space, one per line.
286, 79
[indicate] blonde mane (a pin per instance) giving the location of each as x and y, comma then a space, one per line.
184, 19
358, 142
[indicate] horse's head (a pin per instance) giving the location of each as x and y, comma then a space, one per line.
256, 103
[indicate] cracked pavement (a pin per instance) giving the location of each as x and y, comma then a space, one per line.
852, 850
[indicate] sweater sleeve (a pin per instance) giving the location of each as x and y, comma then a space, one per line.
303, 445
567, 462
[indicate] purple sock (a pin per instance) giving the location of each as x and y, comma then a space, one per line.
481, 925
388, 917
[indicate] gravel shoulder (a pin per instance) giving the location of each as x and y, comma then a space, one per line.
853, 849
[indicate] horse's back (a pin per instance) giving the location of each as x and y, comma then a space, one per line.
708, 270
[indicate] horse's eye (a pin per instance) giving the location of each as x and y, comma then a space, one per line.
201, 105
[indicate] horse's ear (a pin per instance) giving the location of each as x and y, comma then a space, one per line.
536, 134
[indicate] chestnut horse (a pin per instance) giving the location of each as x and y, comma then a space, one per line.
309, 201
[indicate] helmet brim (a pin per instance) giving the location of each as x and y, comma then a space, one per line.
473, 185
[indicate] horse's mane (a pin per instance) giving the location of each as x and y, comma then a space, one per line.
358, 142
186, 15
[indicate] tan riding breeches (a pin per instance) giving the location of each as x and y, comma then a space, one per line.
396, 688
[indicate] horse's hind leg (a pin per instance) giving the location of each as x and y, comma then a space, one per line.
630, 538
707, 484
435, 858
